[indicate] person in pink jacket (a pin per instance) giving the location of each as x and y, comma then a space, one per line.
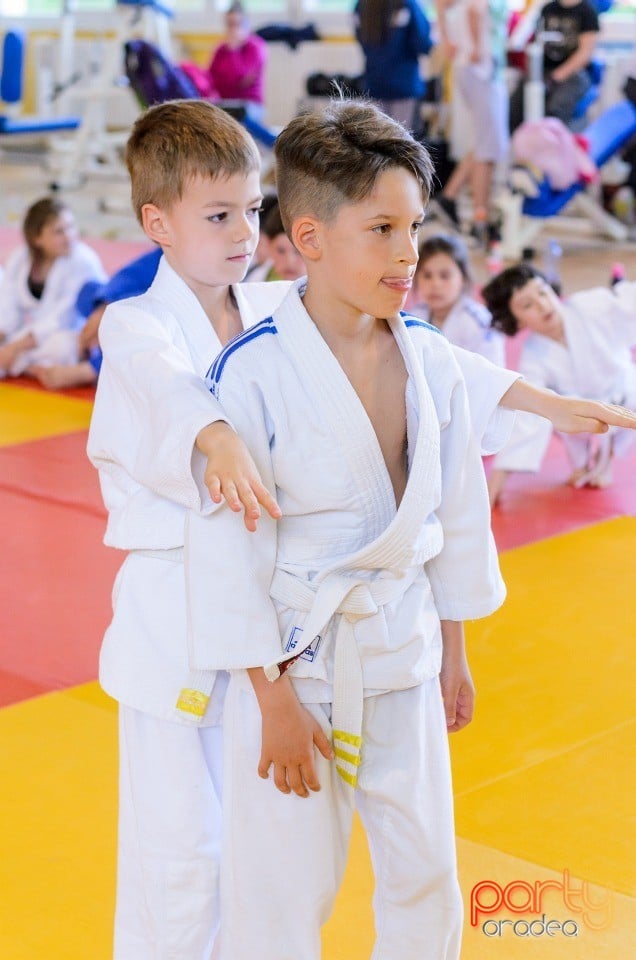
237, 67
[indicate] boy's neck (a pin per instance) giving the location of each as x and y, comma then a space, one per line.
220, 307
338, 327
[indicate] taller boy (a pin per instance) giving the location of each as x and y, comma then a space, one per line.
360, 419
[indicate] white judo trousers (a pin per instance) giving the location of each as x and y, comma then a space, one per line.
169, 839
151, 402
404, 798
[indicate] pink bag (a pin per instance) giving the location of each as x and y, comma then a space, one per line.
200, 78
548, 146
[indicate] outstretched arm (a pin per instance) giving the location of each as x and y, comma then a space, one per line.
568, 414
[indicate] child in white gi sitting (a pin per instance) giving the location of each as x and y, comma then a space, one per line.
39, 323
582, 345
442, 294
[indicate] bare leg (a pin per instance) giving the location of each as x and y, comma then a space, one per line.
59, 375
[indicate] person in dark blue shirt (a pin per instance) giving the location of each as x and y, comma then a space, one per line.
393, 35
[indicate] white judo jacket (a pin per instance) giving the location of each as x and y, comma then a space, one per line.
375, 580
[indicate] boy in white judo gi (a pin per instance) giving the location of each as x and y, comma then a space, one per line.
583, 346
160, 454
341, 623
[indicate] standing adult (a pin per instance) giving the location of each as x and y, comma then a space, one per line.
393, 35
473, 37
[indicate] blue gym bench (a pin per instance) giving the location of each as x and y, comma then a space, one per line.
11, 91
524, 216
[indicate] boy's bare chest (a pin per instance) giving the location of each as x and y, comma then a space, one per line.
381, 388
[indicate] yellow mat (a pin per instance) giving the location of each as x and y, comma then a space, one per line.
545, 778
33, 414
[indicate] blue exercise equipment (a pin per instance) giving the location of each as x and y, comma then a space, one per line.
523, 216
11, 91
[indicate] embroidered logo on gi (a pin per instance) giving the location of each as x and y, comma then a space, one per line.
294, 640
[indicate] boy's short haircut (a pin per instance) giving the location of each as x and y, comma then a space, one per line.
498, 292
171, 143
334, 157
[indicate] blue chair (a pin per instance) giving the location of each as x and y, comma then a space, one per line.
11, 91
596, 71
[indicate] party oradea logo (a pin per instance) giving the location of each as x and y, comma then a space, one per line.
546, 908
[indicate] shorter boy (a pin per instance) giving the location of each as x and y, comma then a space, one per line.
580, 346
162, 455
352, 604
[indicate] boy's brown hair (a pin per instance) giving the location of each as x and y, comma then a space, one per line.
328, 159
171, 143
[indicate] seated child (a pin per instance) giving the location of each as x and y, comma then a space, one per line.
131, 280
38, 293
282, 260
578, 346
352, 603
441, 294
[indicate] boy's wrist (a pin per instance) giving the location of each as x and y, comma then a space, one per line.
211, 435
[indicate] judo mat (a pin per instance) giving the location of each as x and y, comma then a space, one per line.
544, 777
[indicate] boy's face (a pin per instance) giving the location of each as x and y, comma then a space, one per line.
536, 307
368, 253
210, 234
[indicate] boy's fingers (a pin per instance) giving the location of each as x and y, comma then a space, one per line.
263, 768
214, 487
323, 743
266, 500
280, 777
295, 780
231, 496
249, 501
310, 777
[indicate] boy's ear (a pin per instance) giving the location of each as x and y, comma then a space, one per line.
306, 237
154, 224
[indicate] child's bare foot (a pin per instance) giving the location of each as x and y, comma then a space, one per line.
59, 376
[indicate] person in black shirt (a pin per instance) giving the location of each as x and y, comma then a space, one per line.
565, 61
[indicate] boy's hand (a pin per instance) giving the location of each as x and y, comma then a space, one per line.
231, 473
289, 736
572, 415
496, 483
458, 691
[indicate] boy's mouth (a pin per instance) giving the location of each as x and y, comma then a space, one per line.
403, 284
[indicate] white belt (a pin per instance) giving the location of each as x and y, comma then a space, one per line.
355, 600
175, 554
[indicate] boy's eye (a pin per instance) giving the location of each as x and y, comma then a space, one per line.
416, 226
382, 229
255, 211
217, 217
